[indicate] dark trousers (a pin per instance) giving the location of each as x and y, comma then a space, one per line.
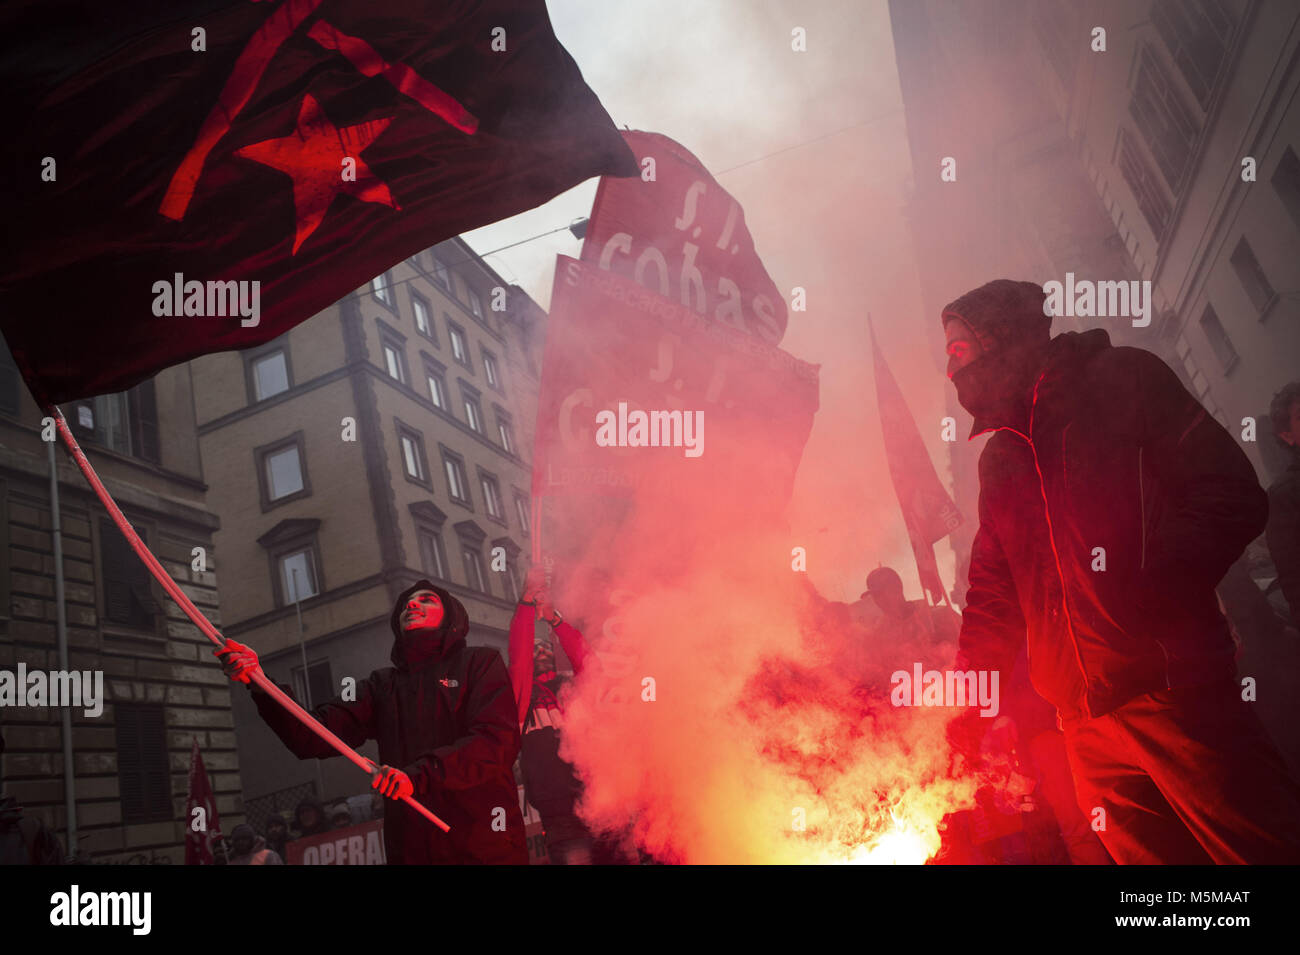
1186, 777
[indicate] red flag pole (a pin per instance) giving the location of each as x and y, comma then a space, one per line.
201, 621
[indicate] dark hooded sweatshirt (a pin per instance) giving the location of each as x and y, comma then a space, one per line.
1108, 451
447, 718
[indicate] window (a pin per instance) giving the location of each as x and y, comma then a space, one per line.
282, 471
128, 593
298, 575
1196, 33
270, 375
126, 422
491, 495
1252, 276
457, 486
413, 460
459, 349
293, 554
143, 767
440, 273
474, 570
395, 361
433, 376
1162, 119
423, 318
505, 433
521, 511
475, 302
490, 369
1142, 180
1217, 336
432, 553
317, 688
1286, 183
382, 290
473, 409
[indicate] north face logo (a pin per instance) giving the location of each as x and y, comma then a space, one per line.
449, 683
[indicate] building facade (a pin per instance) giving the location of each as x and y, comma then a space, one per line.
383, 440
162, 690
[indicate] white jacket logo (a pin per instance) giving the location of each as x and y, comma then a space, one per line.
448, 682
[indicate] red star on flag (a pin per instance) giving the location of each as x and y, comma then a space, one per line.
313, 156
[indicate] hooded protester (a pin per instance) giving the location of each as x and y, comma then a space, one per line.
248, 848
444, 718
1111, 504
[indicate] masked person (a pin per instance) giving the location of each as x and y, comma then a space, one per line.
1110, 506
444, 718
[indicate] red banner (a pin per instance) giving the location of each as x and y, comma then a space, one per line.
642, 395
682, 235
928, 511
201, 822
362, 844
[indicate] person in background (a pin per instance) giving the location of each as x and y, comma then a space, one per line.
277, 835
340, 816
309, 818
248, 848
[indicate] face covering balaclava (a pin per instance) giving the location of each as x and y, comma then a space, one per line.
1008, 322
417, 646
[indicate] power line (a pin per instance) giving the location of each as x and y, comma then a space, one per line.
865, 122
722, 172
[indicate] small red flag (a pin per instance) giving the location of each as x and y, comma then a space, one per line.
928, 511
201, 823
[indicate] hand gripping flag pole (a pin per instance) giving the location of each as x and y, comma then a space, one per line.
201, 621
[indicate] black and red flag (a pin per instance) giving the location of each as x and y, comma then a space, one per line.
928, 511
305, 145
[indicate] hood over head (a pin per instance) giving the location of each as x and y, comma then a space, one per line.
1003, 314
420, 646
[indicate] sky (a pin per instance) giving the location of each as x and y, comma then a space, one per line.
813, 145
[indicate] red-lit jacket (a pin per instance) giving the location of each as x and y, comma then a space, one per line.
1114, 454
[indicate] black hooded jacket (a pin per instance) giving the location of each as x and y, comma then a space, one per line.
449, 722
1109, 459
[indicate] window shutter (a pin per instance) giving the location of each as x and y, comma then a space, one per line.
144, 421
143, 772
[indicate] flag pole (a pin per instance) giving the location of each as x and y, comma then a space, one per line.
202, 622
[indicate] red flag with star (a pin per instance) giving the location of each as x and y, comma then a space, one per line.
165, 156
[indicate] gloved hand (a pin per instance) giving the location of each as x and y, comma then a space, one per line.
534, 585
237, 661
391, 782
